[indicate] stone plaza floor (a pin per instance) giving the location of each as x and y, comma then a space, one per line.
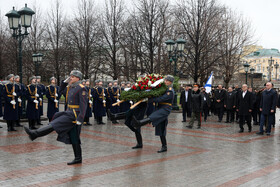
215, 155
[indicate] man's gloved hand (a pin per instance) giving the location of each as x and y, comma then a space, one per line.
90, 102
79, 123
40, 99
36, 95
35, 101
56, 101
13, 102
14, 94
19, 100
56, 95
90, 95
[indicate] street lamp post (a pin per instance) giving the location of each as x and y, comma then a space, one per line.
276, 67
17, 20
252, 70
37, 59
174, 53
246, 69
271, 61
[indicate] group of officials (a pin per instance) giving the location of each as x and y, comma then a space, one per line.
99, 100
239, 104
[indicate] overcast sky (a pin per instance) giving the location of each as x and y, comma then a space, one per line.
263, 14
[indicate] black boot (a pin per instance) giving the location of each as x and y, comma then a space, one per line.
33, 122
39, 121
139, 144
18, 124
114, 117
164, 144
33, 134
9, 126
77, 153
139, 123
12, 126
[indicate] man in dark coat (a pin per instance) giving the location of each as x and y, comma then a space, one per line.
197, 106
90, 104
114, 96
185, 101
11, 93
33, 102
99, 103
267, 108
22, 91
244, 107
256, 108
53, 95
206, 103
41, 92
230, 104
67, 124
237, 91
159, 117
219, 97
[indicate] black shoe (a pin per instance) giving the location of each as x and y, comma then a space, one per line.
137, 147
77, 153
250, 130
18, 125
241, 131
139, 123
199, 127
39, 123
1, 127
89, 124
33, 128
259, 133
219, 120
227, 122
184, 121
33, 134
189, 126
267, 134
163, 149
101, 123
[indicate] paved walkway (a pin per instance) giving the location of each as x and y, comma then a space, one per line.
216, 155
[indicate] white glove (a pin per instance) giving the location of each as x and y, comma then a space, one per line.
14, 94
19, 100
131, 102
56, 95
90, 95
144, 100
119, 95
56, 101
104, 101
127, 89
40, 99
118, 100
36, 95
13, 102
35, 101
104, 94
79, 123
90, 102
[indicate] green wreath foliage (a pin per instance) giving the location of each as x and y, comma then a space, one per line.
137, 95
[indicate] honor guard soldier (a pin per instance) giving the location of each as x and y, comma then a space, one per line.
100, 103
22, 90
33, 102
84, 82
67, 124
41, 91
53, 95
122, 105
159, 117
115, 94
108, 94
89, 105
93, 101
11, 93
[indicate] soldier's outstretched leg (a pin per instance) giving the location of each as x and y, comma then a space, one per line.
77, 153
116, 116
139, 123
139, 144
33, 134
164, 144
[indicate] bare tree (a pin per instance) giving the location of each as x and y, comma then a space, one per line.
236, 35
199, 20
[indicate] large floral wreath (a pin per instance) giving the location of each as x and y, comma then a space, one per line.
151, 85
